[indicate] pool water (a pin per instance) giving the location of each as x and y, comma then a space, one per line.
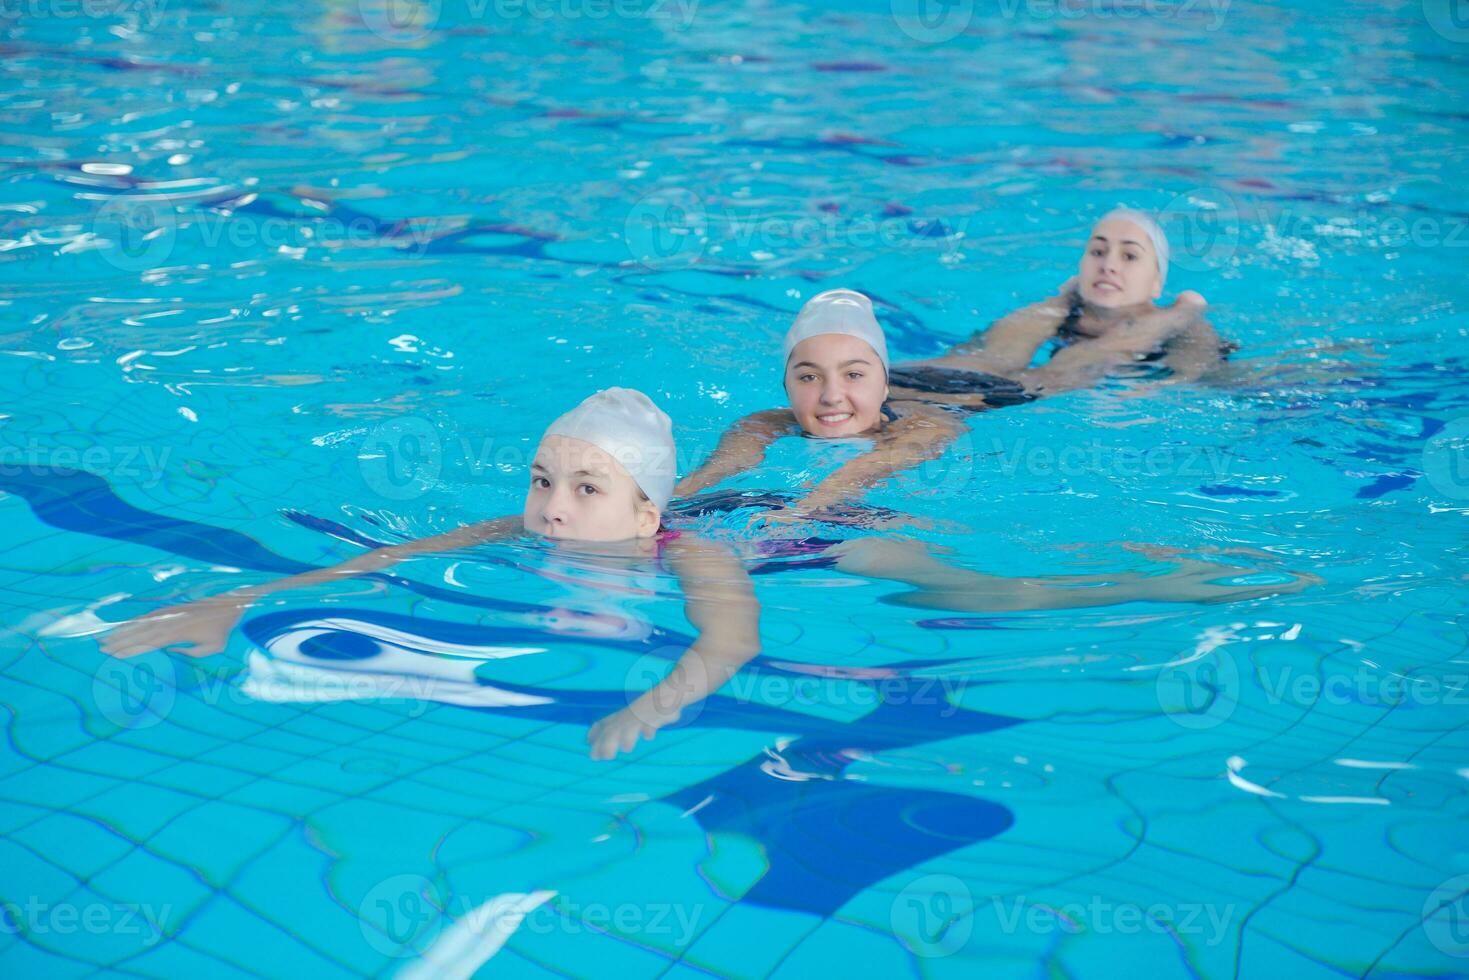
280, 282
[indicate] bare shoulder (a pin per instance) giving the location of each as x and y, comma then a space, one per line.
771, 421
920, 418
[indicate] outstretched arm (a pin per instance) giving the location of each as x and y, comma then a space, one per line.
1009, 344
922, 434
1088, 361
203, 627
741, 448
1194, 354
941, 586
720, 603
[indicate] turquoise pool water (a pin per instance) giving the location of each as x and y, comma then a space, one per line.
278, 280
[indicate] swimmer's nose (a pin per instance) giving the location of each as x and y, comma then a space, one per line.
831, 393
556, 511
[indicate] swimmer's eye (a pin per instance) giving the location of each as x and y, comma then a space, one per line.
1098, 251
856, 375
804, 378
1130, 256
587, 489
540, 483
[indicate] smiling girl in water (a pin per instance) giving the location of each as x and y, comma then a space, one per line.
839, 383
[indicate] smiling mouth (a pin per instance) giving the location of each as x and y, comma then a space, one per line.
1107, 284
836, 419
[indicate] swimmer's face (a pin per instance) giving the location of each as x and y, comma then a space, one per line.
578, 492
1119, 267
836, 385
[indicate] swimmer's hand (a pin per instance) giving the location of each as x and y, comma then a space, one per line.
618, 732
199, 629
1190, 298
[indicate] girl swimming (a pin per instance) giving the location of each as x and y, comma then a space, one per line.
599, 482
839, 382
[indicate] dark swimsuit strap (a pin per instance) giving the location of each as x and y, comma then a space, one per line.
1068, 328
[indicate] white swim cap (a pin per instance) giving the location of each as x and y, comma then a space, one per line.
1153, 231
841, 311
626, 425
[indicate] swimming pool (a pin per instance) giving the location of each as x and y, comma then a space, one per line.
279, 280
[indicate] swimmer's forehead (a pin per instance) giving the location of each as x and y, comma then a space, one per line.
833, 350
1122, 231
565, 455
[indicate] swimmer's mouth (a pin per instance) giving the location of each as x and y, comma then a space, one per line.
837, 419
1107, 284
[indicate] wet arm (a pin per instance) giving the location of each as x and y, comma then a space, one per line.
1194, 354
1009, 345
741, 448
1085, 363
204, 625
720, 603
916, 438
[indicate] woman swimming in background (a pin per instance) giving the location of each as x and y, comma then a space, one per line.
840, 384
600, 481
